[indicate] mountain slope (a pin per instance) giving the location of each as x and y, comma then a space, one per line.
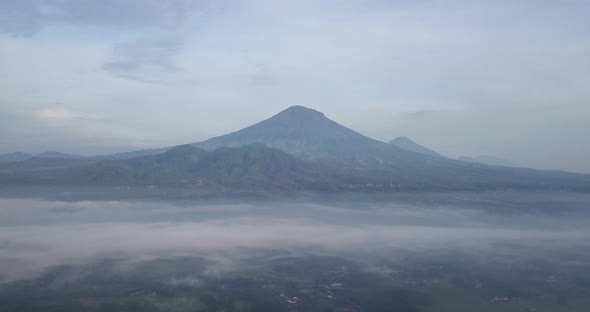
407, 144
488, 160
132, 154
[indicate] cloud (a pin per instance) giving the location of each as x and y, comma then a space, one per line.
20, 18
139, 59
145, 59
36, 234
37, 247
61, 113
65, 129
28, 17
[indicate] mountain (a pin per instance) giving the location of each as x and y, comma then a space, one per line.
297, 149
367, 164
308, 134
407, 144
251, 167
13, 157
488, 160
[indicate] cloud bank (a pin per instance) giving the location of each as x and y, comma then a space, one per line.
76, 233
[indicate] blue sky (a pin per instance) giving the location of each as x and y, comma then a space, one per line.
504, 78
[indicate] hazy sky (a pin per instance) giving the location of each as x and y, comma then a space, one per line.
504, 78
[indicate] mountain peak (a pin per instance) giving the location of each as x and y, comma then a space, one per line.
297, 112
302, 132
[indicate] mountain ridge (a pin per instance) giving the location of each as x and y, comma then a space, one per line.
14, 157
253, 166
296, 149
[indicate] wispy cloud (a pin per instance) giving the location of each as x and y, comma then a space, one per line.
62, 113
28, 17
145, 59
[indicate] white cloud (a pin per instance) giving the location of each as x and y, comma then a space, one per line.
61, 113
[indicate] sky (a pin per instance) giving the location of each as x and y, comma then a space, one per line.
503, 78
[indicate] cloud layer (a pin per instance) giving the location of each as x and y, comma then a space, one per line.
38, 234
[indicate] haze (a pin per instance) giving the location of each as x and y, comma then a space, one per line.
508, 79
40, 234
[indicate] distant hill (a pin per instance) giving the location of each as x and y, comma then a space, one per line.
40, 163
53, 154
407, 144
20, 156
12, 157
489, 160
250, 167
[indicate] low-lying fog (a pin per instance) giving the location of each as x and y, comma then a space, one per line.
36, 234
